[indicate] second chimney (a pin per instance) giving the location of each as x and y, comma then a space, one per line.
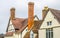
30, 14
12, 13
44, 11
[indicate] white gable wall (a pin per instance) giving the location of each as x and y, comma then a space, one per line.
11, 27
55, 25
56, 32
42, 33
49, 17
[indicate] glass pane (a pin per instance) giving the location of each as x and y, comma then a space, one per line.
50, 22
49, 33
47, 23
46, 34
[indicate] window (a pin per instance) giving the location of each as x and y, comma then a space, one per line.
49, 23
49, 33
31, 34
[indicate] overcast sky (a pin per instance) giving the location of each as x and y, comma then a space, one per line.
22, 9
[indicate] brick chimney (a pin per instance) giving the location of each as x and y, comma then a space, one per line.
44, 11
12, 13
30, 14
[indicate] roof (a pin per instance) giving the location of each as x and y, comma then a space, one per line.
38, 23
36, 26
18, 23
21, 24
9, 34
56, 13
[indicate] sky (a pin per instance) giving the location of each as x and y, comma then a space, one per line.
21, 7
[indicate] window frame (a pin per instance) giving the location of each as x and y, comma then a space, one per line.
49, 23
31, 34
49, 33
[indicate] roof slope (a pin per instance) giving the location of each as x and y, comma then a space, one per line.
18, 23
9, 34
35, 28
56, 13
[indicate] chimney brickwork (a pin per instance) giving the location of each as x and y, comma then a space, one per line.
44, 11
12, 13
30, 14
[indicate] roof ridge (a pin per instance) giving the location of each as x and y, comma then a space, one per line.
56, 13
54, 9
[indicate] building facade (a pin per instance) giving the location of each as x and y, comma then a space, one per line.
23, 27
50, 27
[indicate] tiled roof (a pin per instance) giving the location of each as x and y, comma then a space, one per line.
36, 26
9, 34
56, 13
19, 23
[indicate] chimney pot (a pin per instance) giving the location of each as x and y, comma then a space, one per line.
30, 3
45, 8
12, 9
44, 11
12, 16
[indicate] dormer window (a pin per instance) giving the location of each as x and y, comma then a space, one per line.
49, 23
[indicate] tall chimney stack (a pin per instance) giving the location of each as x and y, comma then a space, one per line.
12, 13
30, 14
44, 11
